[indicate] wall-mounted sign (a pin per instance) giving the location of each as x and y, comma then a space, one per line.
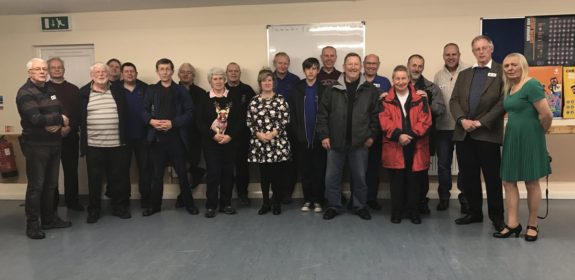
61, 23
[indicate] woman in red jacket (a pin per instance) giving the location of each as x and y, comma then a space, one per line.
405, 119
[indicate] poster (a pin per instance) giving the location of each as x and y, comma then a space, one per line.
551, 77
569, 92
550, 40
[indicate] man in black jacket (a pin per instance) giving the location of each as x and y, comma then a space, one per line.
347, 123
168, 112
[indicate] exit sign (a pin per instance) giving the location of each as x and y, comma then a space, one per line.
55, 23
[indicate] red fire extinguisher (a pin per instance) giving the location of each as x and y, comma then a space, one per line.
7, 159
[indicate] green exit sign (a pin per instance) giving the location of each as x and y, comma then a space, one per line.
55, 23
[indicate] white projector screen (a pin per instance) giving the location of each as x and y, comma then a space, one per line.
301, 41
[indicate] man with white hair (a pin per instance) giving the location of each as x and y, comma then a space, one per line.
103, 141
42, 121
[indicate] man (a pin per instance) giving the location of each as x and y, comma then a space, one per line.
187, 75
69, 96
103, 127
284, 83
245, 93
115, 72
416, 65
370, 67
303, 105
328, 75
347, 123
477, 108
136, 143
284, 79
168, 110
445, 79
42, 120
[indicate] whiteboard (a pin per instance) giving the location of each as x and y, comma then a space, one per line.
301, 41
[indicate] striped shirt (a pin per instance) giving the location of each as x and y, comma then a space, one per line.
102, 120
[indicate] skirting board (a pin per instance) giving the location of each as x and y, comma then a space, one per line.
557, 190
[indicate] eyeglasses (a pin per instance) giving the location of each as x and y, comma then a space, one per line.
481, 49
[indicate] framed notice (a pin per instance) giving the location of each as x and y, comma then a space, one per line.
550, 40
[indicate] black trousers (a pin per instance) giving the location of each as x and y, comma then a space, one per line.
476, 157
312, 164
242, 175
162, 153
114, 164
220, 177
405, 186
273, 175
69, 158
373, 168
42, 169
291, 168
141, 150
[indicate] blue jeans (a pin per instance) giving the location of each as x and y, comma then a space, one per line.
444, 149
357, 162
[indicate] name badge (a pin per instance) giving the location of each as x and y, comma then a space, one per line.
377, 85
53, 97
493, 75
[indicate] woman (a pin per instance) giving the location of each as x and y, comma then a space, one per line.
217, 119
525, 156
267, 118
405, 120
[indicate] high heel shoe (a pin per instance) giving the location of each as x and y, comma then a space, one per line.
532, 238
510, 231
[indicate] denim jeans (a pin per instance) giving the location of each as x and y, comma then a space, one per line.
357, 162
444, 151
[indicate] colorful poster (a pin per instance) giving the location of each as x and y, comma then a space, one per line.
569, 92
551, 77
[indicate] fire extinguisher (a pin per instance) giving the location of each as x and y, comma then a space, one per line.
7, 159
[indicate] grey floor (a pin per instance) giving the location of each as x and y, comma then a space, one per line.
295, 245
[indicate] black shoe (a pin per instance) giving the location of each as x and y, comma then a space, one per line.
363, 213
33, 231
122, 213
264, 209
210, 213
415, 218
150, 211
244, 200
396, 218
373, 204
531, 238
56, 223
228, 210
277, 209
76, 207
443, 205
468, 219
93, 216
464, 208
193, 210
329, 214
510, 231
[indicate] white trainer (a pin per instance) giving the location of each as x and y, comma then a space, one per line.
306, 207
317, 208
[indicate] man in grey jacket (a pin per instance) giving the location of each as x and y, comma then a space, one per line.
347, 123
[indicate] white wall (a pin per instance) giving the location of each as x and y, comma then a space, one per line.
209, 37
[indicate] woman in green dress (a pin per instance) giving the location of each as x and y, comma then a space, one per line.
525, 156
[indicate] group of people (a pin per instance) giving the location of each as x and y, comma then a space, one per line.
312, 127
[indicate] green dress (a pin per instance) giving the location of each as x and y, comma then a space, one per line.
525, 156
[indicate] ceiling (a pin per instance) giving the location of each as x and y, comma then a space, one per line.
21, 7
